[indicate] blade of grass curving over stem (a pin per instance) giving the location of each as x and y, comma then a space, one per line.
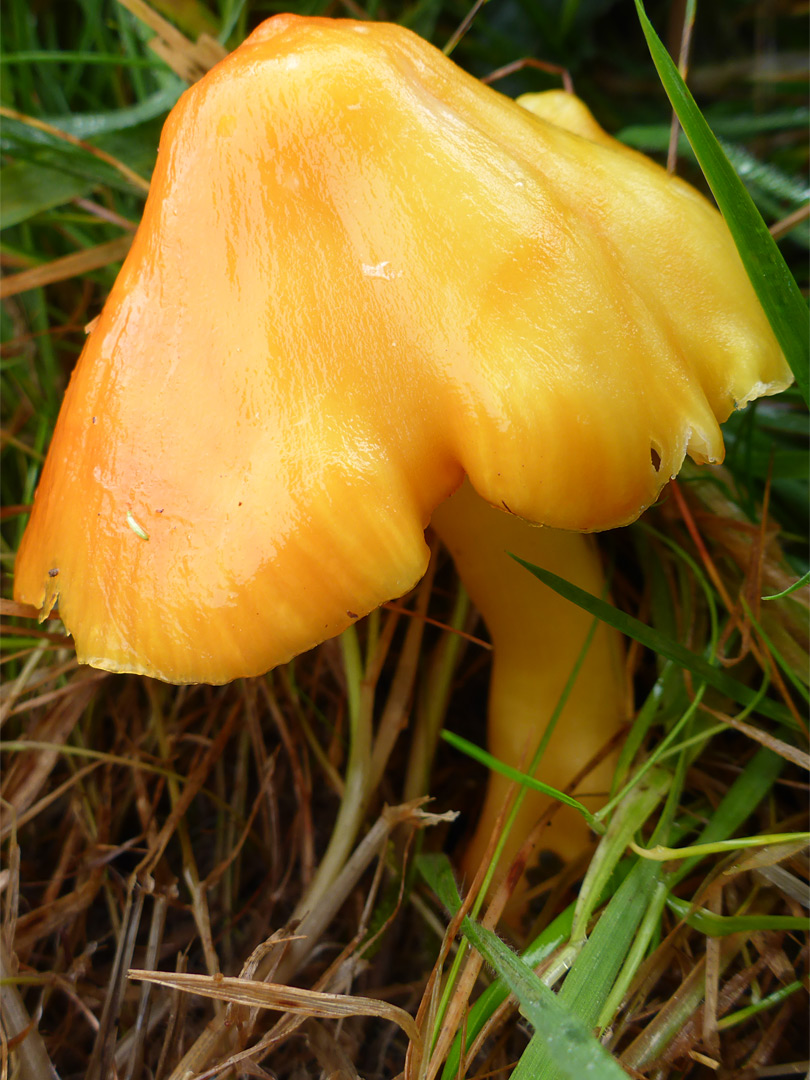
496, 765
772, 280
661, 644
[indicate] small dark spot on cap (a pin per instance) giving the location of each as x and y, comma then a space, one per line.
655, 458
506, 508
239, 504
352, 615
54, 572
160, 511
94, 419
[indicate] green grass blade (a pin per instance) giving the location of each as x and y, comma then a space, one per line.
634, 810
706, 922
435, 868
661, 644
661, 853
649, 928
438, 874
803, 580
772, 280
90, 125
496, 765
566, 1038
585, 989
776, 998
29, 189
739, 802
43, 56
58, 173
590, 981
553, 937
650, 137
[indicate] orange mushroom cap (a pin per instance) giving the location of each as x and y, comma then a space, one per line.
360, 275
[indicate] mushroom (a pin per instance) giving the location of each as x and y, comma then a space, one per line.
361, 276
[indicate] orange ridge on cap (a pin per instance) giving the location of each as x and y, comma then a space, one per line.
361, 275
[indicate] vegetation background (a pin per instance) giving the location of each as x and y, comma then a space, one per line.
154, 828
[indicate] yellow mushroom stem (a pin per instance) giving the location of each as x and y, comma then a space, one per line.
537, 637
